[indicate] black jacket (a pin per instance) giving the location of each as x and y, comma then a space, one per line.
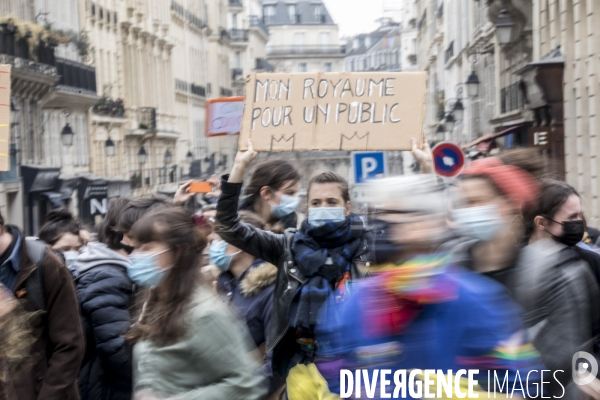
277, 250
105, 294
251, 295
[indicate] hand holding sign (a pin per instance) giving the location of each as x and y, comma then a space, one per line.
242, 160
423, 156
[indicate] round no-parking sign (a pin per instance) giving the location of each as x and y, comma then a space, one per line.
448, 159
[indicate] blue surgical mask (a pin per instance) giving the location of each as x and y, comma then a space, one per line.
288, 205
145, 269
70, 257
319, 216
218, 255
482, 223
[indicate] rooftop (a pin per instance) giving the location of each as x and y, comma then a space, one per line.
296, 12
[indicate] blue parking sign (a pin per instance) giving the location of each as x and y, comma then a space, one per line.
368, 165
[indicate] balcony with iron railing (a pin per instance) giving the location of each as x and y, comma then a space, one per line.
198, 90
16, 51
303, 50
239, 35
257, 22
76, 75
236, 3
108, 107
154, 176
185, 87
264, 65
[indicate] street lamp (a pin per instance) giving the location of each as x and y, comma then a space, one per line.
504, 27
458, 110
67, 135
168, 157
14, 113
472, 84
142, 156
440, 133
109, 146
449, 122
189, 157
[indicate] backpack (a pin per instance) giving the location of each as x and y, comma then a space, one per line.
35, 282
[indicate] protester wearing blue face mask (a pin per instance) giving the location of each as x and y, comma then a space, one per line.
313, 261
272, 193
186, 342
145, 269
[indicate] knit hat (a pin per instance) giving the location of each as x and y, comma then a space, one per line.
515, 183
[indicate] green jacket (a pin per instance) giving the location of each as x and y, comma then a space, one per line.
212, 362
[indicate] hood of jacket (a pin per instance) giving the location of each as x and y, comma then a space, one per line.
258, 279
96, 254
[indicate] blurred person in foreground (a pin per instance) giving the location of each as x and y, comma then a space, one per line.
43, 284
555, 284
105, 293
187, 344
15, 342
499, 205
420, 310
247, 283
63, 233
489, 217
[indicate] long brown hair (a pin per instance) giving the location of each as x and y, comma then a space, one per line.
162, 321
272, 173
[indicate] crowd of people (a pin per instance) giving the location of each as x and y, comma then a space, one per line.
496, 271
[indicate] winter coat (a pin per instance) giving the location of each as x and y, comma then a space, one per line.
277, 250
59, 346
560, 296
211, 361
251, 295
105, 292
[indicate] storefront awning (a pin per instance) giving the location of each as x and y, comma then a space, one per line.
491, 136
54, 198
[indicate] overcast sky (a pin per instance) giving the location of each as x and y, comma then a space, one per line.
355, 16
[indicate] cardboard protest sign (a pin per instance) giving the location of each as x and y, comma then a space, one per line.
4, 117
333, 111
224, 116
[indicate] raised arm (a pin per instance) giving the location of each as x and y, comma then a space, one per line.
265, 245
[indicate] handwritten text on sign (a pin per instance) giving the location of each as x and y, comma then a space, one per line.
329, 111
224, 116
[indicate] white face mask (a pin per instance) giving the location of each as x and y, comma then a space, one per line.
319, 216
70, 258
481, 223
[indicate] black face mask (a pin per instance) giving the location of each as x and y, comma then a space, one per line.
572, 232
128, 249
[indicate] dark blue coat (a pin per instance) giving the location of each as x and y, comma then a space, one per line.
105, 294
251, 295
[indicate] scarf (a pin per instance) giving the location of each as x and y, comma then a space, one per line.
398, 293
323, 255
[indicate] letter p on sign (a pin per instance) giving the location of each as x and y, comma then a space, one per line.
368, 165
